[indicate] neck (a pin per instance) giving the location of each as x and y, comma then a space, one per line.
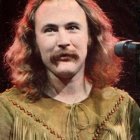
70, 90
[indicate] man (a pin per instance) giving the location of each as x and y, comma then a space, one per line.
63, 65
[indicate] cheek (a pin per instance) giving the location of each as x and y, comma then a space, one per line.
45, 43
81, 43
83, 47
43, 48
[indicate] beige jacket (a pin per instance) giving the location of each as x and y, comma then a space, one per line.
107, 114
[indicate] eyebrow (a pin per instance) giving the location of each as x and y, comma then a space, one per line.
55, 25
73, 23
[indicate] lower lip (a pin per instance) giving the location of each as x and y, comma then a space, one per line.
65, 58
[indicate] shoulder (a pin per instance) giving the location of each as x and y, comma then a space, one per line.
112, 92
120, 92
11, 92
10, 97
112, 95
6, 96
7, 113
127, 101
109, 93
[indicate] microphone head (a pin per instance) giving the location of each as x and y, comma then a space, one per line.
125, 48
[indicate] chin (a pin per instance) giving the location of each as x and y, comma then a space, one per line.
66, 69
66, 75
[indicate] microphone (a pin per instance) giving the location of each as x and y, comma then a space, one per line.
127, 48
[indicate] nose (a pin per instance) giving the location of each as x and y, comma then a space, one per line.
63, 46
63, 39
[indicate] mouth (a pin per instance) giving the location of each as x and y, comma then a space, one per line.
65, 57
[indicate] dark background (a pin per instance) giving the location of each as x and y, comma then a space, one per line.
125, 15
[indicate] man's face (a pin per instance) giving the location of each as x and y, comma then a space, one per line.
62, 37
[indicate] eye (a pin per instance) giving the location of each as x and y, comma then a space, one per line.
50, 30
73, 28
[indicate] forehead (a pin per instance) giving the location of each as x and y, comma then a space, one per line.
52, 10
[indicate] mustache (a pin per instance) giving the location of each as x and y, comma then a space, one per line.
57, 55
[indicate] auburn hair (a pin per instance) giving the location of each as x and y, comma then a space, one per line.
27, 69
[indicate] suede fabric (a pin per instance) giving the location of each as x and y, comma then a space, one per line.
107, 114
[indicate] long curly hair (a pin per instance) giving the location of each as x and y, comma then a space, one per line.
27, 69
